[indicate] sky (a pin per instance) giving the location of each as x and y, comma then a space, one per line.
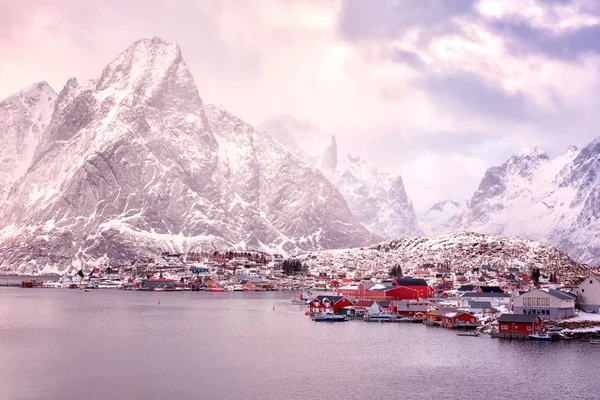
438, 91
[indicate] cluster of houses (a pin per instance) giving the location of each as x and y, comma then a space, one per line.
510, 312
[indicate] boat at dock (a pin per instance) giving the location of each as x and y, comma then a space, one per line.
217, 289
541, 338
471, 334
595, 341
329, 317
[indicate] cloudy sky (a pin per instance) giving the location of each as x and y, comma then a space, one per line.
435, 90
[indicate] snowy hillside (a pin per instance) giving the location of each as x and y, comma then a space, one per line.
134, 163
377, 199
24, 116
462, 251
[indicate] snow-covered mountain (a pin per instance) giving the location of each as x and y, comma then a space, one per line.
377, 199
134, 163
551, 200
460, 250
24, 116
442, 217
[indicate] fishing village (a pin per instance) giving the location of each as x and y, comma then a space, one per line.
509, 303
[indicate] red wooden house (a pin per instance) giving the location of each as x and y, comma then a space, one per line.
329, 304
524, 324
458, 319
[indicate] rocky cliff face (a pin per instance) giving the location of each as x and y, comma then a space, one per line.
377, 199
24, 116
134, 163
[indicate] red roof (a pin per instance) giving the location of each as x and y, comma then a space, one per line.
363, 303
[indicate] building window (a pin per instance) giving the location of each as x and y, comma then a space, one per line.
504, 327
590, 281
582, 290
529, 328
547, 302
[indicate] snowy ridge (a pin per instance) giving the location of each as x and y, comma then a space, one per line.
461, 250
134, 164
377, 199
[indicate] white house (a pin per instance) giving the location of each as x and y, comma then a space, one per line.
495, 299
588, 294
551, 304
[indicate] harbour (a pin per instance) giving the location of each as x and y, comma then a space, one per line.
61, 343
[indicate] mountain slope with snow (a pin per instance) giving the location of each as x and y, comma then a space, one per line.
377, 199
134, 163
442, 217
24, 116
544, 199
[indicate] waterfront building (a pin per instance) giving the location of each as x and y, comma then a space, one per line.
518, 325
332, 304
550, 304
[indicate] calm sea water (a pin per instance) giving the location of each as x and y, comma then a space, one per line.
109, 344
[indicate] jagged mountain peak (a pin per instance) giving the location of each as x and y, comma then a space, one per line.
531, 151
441, 205
145, 67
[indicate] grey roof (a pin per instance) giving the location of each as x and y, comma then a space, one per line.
477, 294
491, 289
480, 304
527, 318
411, 282
332, 299
561, 295
383, 303
466, 288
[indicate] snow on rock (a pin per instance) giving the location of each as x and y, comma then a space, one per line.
377, 199
461, 250
134, 163
24, 116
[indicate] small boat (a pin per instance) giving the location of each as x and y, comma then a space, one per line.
595, 341
86, 290
329, 317
217, 289
538, 337
473, 334
381, 317
159, 289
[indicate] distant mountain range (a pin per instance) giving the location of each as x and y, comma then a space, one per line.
134, 163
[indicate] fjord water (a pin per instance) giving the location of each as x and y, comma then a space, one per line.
110, 344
